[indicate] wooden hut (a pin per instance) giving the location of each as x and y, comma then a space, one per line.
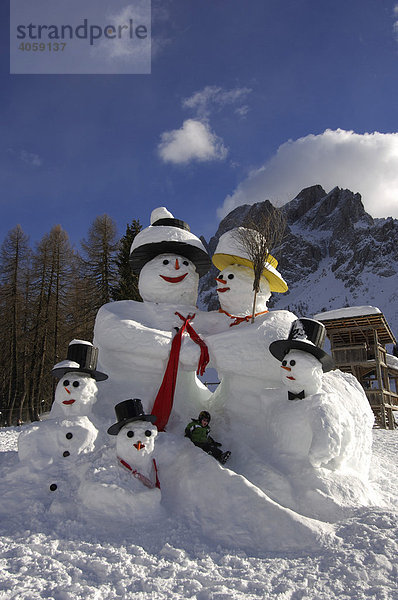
358, 338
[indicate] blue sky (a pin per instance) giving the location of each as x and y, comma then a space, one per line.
247, 100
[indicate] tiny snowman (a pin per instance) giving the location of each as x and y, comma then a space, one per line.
135, 442
303, 361
69, 432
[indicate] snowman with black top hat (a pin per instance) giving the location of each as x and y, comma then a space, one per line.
303, 361
56, 445
135, 442
123, 481
330, 431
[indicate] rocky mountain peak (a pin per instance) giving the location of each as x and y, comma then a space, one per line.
333, 254
337, 210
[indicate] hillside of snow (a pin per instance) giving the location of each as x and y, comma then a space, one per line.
69, 555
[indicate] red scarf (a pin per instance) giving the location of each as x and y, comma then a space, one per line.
238, 320
165, 396
147, 482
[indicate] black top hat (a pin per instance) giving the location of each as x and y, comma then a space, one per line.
168, 235
128, 411
307, 335
82, 357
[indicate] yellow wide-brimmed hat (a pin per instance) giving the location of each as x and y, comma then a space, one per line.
230, 251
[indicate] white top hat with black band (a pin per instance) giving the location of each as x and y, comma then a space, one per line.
82, 358
307, 335
168, 235
230, 251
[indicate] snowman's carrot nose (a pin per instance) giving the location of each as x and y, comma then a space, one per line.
66, 390
139, 445
220, 280
177, 265
286, 368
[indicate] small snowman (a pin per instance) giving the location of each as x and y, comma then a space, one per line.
135, 443
140, 342
68, 433
129, 489
303, 361
310, 426
318, 433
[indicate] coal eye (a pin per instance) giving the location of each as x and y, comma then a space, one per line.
66, 382
185, 262
292, 363
75, 384
130, 434
284, 363
231, 276
166, 262
148, 433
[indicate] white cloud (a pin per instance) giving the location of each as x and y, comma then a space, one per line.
215, 97
30, 158
365, 163
193, 142
395, 25
119, 46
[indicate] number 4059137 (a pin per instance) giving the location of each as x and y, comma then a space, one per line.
42, 47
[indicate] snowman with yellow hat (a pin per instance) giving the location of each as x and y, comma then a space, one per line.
235, 281
240, 353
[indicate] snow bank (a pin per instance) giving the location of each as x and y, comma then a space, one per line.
45, 555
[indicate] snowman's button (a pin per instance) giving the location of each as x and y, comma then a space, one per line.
53, 487
69, 435
66, 453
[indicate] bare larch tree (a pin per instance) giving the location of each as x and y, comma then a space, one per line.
257, 238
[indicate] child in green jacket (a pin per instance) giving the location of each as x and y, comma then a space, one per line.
198, 432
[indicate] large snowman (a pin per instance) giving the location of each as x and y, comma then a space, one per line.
240, 352
139, 342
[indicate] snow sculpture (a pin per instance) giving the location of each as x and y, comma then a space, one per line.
131, 488
55, 450
302, 358
303, 363
135, 442
240, 352
138, 344
318, 431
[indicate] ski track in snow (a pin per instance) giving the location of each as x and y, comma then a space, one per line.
46, 556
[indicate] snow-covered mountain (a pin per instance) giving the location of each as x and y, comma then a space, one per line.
333, 255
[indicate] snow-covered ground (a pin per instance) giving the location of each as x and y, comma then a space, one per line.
59, 556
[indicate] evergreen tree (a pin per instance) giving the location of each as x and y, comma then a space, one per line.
127, 285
